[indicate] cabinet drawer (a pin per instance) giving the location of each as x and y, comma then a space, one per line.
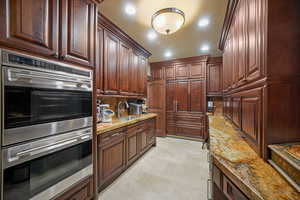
110, 137
137, 128
82, 191
231, 191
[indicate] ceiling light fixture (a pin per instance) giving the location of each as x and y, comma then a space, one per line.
130, 9
205, 48
152, 35
203, 22
168, 20
168, 54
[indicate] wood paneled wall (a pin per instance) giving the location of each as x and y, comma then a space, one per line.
261, 73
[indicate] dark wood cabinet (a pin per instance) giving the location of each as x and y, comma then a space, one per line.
111, 155
78, 31
63, 30
185, 96
170, 72
182, 71
99, 61
120, 148
30, 25
81, 191
197, 70
125, 56
157, 73
124, 63
214, 77
111, 63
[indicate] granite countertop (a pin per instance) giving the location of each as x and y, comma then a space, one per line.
105, 127
255, 177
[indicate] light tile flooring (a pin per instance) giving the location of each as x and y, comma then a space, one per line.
175, 169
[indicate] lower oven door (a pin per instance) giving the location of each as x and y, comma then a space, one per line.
45, 177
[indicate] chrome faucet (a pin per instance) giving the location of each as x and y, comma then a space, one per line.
119, 107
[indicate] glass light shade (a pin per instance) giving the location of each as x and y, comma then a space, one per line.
168, 20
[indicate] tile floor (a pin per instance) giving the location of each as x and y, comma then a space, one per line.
175, 169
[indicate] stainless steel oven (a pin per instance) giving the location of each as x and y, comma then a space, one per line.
46, 126
42, 169
42, 98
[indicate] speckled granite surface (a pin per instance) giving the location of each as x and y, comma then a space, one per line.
256, 178
105, 127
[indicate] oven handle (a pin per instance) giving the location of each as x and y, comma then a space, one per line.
15, 75
45, 148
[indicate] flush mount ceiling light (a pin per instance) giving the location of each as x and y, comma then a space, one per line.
168, 20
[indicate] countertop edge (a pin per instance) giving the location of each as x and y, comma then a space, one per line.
128, 123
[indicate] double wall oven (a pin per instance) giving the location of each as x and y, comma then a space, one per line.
46, 126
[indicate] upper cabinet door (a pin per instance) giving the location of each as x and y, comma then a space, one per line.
124, 68
111, 63
133, 73
30, 25
170, 96
142, 75
197, 70
254, 66
99, 63
78, 22
182, 71
197, 95
182, 96
170, 72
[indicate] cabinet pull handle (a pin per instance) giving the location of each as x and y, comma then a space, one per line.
209, 189
116, 134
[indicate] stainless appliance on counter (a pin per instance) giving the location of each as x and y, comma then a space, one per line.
106, 114
47, 126
135, 109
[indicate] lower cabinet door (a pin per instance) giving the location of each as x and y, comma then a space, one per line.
132, 147
81, 191
111, 158
143, 135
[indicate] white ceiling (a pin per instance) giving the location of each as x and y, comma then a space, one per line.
187, 42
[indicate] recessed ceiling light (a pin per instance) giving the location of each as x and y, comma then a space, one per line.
203, 22
168, 54
205, 48
130, 9
152, 35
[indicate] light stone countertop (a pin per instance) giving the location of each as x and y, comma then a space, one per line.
105, 127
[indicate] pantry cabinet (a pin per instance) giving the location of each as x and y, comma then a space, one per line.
124, 62
214, 76
185, 96
61, 30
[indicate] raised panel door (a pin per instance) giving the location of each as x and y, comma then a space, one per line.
170, 96
235, 53
254, 39
133, 73
111, 158
170, 72
156, 73
132, 146
182, 71
251, 117
30, 25
236, 111
214, 79
241, 28
111, 63
99, 61
197, 95
142, 75
182, 103
197, 70
78, 26
124, 68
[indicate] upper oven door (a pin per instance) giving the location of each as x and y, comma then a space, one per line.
38, 105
